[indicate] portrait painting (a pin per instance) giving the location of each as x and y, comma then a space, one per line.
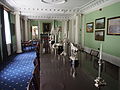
46, 27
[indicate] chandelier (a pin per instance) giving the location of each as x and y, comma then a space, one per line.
54, 1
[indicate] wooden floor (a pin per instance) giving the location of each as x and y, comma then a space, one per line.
55, 74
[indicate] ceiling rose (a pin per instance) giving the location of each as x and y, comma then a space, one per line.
54, 1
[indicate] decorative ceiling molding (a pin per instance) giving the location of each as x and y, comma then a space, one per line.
62, 11
7, 6
48, 17
47, 13
49, 10
44, 16
95, 5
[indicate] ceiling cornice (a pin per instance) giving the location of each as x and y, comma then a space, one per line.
96, 5
48, 17
61, 13
6, 6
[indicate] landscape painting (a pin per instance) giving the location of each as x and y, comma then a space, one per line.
100, 23
113, 27
89, 27
99, 35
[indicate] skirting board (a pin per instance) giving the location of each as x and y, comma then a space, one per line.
107, 57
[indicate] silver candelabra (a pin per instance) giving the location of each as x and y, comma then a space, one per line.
99, 81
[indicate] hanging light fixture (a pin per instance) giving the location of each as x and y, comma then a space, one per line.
54, 1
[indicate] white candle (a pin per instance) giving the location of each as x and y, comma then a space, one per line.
101, 51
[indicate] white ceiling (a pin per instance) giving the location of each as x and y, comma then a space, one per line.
35, 9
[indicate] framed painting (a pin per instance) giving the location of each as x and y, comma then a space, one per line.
99, 35
89, 27
100, 23
46, 27
113, 26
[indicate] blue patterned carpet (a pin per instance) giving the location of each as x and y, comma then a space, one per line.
16, 75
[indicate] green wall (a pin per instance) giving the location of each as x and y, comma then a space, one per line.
36, 22
111, 44
57, 23
12, 18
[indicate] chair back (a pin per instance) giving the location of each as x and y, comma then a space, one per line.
36, 77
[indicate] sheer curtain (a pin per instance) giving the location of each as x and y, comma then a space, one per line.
7, 28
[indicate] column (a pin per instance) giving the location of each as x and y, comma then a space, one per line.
39, 32
80, 33
63, 26
83, 31
68, 29
18, 32
26, 29
29, 31
65, 37
22, 30
73, 31
77, 30
65, 29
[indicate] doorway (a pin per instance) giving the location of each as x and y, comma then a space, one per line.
35, 32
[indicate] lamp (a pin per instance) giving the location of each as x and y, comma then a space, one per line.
54, 1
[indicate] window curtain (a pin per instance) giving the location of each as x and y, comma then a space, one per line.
0, 40
3, 40
11, 30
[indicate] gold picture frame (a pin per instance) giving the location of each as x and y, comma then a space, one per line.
100, 23
99, 35
113, 26
89, 27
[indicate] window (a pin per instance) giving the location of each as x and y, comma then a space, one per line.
34, 32
7, 28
